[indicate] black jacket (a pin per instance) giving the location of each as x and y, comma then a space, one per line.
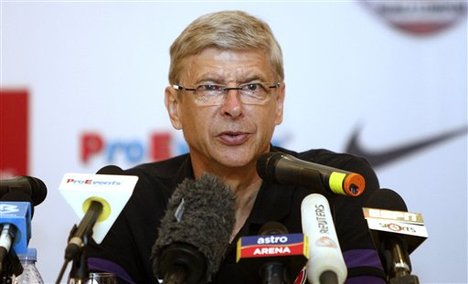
126, 249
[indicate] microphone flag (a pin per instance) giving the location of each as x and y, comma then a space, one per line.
272, 246
397, 222
112, 191
17, 214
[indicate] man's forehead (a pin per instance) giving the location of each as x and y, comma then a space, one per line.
217, 64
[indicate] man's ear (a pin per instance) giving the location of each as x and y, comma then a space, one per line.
172, 102
280, 104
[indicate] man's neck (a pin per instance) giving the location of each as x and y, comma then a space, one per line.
245, 183
245, 200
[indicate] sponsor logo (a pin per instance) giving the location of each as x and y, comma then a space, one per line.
272, 245
91, 182
392, 221
378, 158
325, 241
271, 251
398, 228
301, 277
158, 146
321, 218
392, 215
281, 239
8, 209
419, 17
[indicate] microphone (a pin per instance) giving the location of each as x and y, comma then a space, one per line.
274, 271
110, 170
396, 233
98, 200
326, 263
15, 218
16, 210
31, 186
194, 231
286, 169
275, 251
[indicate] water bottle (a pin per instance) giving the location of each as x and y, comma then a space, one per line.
30, 273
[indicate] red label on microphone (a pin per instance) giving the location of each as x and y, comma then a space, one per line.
272, 246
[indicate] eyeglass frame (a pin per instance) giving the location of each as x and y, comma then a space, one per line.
225, 89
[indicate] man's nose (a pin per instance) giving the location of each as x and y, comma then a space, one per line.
232, 104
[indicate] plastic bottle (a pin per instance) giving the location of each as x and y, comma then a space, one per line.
30, 273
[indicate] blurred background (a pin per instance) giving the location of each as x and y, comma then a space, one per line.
82, 87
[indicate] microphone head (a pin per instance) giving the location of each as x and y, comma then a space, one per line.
200, 215
273, 228
386, 199
39, 190
110, 170
283, 168
31, 186
266, 165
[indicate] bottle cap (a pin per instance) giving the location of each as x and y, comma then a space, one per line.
31, 254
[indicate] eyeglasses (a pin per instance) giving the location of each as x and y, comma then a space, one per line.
212, 94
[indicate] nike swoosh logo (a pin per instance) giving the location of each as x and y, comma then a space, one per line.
379, 158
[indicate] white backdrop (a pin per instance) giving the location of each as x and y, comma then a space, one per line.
101, 67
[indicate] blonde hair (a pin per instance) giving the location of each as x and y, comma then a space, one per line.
230, 30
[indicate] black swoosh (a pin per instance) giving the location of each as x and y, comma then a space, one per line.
382, 157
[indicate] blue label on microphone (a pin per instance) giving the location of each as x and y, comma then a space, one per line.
19, 215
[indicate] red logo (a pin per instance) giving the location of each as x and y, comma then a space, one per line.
326, 242
394, 227
419, 17
14, 126
301, 277
156, 148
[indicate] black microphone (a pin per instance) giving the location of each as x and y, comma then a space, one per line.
110, 170
31, 186
17, 200
395, 232
194, 231
94, 211
274, 271
278, 254
286, 169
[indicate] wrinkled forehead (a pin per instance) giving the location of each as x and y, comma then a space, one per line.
225, 66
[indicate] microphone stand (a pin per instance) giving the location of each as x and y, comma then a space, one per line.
274, 272
77, 242
10, 266
400, 270
79, 273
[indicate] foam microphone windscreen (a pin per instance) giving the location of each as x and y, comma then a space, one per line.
200, 216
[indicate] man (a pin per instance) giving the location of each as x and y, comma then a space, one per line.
226, 93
